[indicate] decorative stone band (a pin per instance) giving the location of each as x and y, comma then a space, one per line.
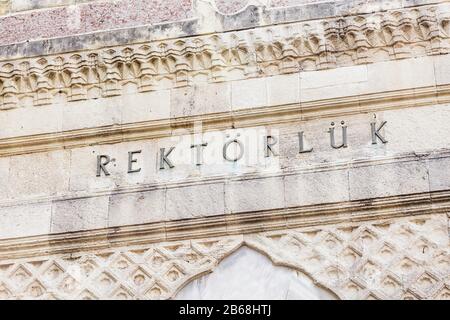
314, 45
403, 258
62, 18
339, 108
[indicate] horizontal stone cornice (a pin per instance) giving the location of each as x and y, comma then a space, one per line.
233, 224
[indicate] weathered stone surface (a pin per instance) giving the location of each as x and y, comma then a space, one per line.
418, 129
283, 89
4, 177
403, 74
254, 195
26, 220
318, 187
330, 78
341, 82
137, 208
240, 97
441, 69
77, 19
79, 214
29, 121
388, 180
195, 201
84, 114
115, 110
200, 99
40, 174
145, 106
439, 172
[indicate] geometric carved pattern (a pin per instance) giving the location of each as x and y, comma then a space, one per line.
400, 259
407, 258
313, 45
150, 273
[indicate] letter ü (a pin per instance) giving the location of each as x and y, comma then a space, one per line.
333, 139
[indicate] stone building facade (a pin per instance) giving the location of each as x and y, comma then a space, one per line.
164, 149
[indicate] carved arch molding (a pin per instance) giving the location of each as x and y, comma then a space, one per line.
405, 258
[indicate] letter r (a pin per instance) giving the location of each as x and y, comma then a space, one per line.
102, 162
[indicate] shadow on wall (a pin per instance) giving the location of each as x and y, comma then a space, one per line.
249, 275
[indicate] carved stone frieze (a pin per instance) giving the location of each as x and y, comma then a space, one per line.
268, 51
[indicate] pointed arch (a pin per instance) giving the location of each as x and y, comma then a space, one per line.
249, 272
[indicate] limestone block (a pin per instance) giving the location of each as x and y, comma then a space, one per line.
91, 113
333, 83
146, 106
332, 92
137, 208
442, 69
388, 180
439, 172
4, 177
200, 99
417, 129
80, 214
250, 93
254, 195
30, 121
333, 77
401, 74
195, 201
316, 188
283, 89
25, 220
39, 174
